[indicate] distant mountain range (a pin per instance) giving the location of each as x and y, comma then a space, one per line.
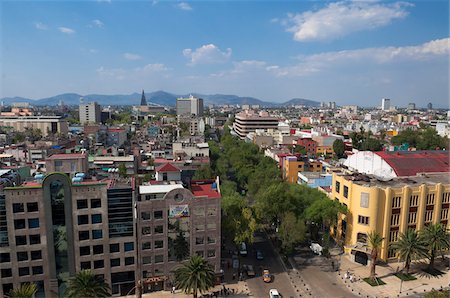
159, 97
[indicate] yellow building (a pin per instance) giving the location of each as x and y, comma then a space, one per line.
388, 207
324, 150
291, 168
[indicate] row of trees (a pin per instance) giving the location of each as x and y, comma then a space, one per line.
422, 139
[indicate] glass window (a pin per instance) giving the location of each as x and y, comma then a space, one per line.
128, 246
338, 186
146, 230
147, 260
99, 264
96, 218
21, 240
96, 203
200, 253
83, 219
199, 240
158, 229
199, 211
82, 204
97, 234
32, 207
6, 272
83, 235
97, 249
212, 211
115, 262
364, 201
146, 245
159, 259
85, 265
345, 191
33, 223
5, 257
211, 253
211, 226
159, 244
146, 215
200, 227
19, 224
363, 220
211, 240
114, 247
35, 239
37, 270
18, 207
129, 260
158, 214
22, 256
36, 255
85, 250
24, 271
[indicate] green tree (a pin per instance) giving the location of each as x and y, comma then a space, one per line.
26, 290
204, 172
86, 284
437, 239
410, 246
437, 294
325, 211
122, 170
339, 147
197, 275
374, 240
181, 246
371, 144
292, 231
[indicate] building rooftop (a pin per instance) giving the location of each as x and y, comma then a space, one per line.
66, 156
205, 188
167, 167
158, 188
409, 163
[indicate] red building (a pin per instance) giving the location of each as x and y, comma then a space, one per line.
309, 144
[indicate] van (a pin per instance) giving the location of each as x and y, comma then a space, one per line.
243, 249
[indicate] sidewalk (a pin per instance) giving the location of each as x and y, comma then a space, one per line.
424, 282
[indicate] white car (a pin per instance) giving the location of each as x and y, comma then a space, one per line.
273, 293
316, 248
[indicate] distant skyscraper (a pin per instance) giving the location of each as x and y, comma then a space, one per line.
143, 100
385, 104
411, 106
90, 113
430, 106
190, 106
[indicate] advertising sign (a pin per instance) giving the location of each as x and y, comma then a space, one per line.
176, 211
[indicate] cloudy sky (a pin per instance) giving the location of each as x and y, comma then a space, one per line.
351, 52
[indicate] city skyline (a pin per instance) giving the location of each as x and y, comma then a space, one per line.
351, 52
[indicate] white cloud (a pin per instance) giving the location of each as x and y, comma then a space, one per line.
40, 26
207, 54
131, 74
97, 23
342, 18
131, 56
66, 30
184, 6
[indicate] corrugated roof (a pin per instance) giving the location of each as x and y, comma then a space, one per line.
67, 156
409, 163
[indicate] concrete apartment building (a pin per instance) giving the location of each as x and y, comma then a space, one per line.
90, 113
46, 124
67, 163
293, 165
249, 121
190, 149
189, 106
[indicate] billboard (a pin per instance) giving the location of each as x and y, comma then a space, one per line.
176, 211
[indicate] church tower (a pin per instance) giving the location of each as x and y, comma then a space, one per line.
143, 100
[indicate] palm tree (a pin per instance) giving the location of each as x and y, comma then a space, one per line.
197, 275
374, 239
437, 238
410, 246
26, 290
86, 284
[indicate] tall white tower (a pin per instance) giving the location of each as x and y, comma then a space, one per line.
385, 104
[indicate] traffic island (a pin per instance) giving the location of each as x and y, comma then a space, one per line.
374, 282
405, 276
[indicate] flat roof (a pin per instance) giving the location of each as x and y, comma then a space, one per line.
67, 156
158, 188
423, 178
203, 188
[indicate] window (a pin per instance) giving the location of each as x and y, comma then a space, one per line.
158, 214
18, 207
128, 246
99, 264
32, 207
199, 211
364, 202
211, 226
200, 253
159, 244
5, 257
211, 253
24, 271
85, 250
345, 191
412, 216
35, 239
97, 249
338, 186
200, 227
83, 219
22, 256
114, 247
444, 214
199, 240
393, 236
361, 238
147, 260
115, 262
129, 260
97, 234
96, 203
414, 201
85, 265
37, 270
21, 240
6, 272
158, 229
395, 219
96, 218
159, 259
392, 253
396, 202
19, 224
33, 223
146, 245
36, 255
145, 215
363, 220
164, 176
428, 215
212, 211
211, 240
146, 230
82, 204
430, 199
446, 197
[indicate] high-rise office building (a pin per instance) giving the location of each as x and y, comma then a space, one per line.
385, 104
411, 106
189, 106
430, 106
90, 113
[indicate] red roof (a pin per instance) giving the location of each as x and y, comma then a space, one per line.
203, 188
67, 156
168, 167
409, 163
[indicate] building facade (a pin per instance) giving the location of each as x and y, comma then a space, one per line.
90, 113
189, 106
248, 121
46, 124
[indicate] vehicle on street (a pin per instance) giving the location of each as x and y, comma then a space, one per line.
249, 270
243, 249
259, 255
267, 277
273, 293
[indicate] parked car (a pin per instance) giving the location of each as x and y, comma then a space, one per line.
259, 255
267, 277
273, 293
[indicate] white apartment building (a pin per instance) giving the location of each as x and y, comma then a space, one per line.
90, 113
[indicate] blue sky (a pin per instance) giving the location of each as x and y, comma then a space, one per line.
351, 52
